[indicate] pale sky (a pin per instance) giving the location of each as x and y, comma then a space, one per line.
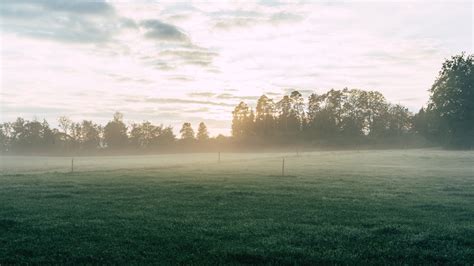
170, 62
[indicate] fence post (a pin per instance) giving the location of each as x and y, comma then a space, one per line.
219, 157
72, 165
283, 167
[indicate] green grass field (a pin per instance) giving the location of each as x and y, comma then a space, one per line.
341, 207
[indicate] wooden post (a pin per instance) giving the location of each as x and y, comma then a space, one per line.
283, 167
72, 165
219, 157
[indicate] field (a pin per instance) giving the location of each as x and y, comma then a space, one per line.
331, 207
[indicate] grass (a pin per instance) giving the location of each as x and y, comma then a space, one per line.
345, 207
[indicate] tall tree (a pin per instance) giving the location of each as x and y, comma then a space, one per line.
166, 136
202, 134
297, 111
452, 101
284, 113
187, 132
264, 116
64, 124
115, 133
90, 135
240, 117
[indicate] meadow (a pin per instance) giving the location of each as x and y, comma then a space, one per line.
330, 207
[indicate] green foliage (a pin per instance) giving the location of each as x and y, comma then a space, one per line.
115, 133
338, 117
452, 102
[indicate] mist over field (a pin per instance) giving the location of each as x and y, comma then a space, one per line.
236, 132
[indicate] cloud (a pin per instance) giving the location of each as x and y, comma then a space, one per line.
236, 22
284, 17
179, 101
190, 56
245, 19
181, 78
235, 97
69, 21
201, 94
157, 29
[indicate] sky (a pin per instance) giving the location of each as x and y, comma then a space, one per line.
171, 62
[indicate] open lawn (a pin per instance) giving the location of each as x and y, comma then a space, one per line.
331, 207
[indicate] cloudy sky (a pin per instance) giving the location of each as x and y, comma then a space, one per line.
171, 62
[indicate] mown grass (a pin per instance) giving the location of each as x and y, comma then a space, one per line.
376, 207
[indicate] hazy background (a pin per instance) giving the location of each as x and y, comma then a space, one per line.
175, 62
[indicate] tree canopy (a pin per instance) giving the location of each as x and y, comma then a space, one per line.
452, 102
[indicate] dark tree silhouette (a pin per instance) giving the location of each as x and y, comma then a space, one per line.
187, 132
452, 102
115, 133
202, 134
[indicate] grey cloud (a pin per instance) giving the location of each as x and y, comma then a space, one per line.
201, 94
75, 6
33, 8
176, 100
70, 21
199, 110
250, 19
163, 31
122, 78
271, 93
235, 97
185, 55
282, 17
181, 78
235, 23
193, 56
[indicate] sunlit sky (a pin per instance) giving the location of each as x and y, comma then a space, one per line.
170, 62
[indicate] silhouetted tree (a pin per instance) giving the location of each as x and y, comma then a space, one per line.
144, 135
115, 133
187, 132
240, 119
166, 136
202, 134
452, 102
264, 117
90, 135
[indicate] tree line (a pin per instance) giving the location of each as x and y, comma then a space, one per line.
337, 117
352, 117
347, 117
24, 136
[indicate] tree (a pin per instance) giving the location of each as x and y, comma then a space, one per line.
284, 112
144, 135
240, 117
297, 111
452, 101
202, 134
5, 137
115, 132
167, 136
64, 124
399, 120
264, 117
187, 132
314, 107
90, 135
